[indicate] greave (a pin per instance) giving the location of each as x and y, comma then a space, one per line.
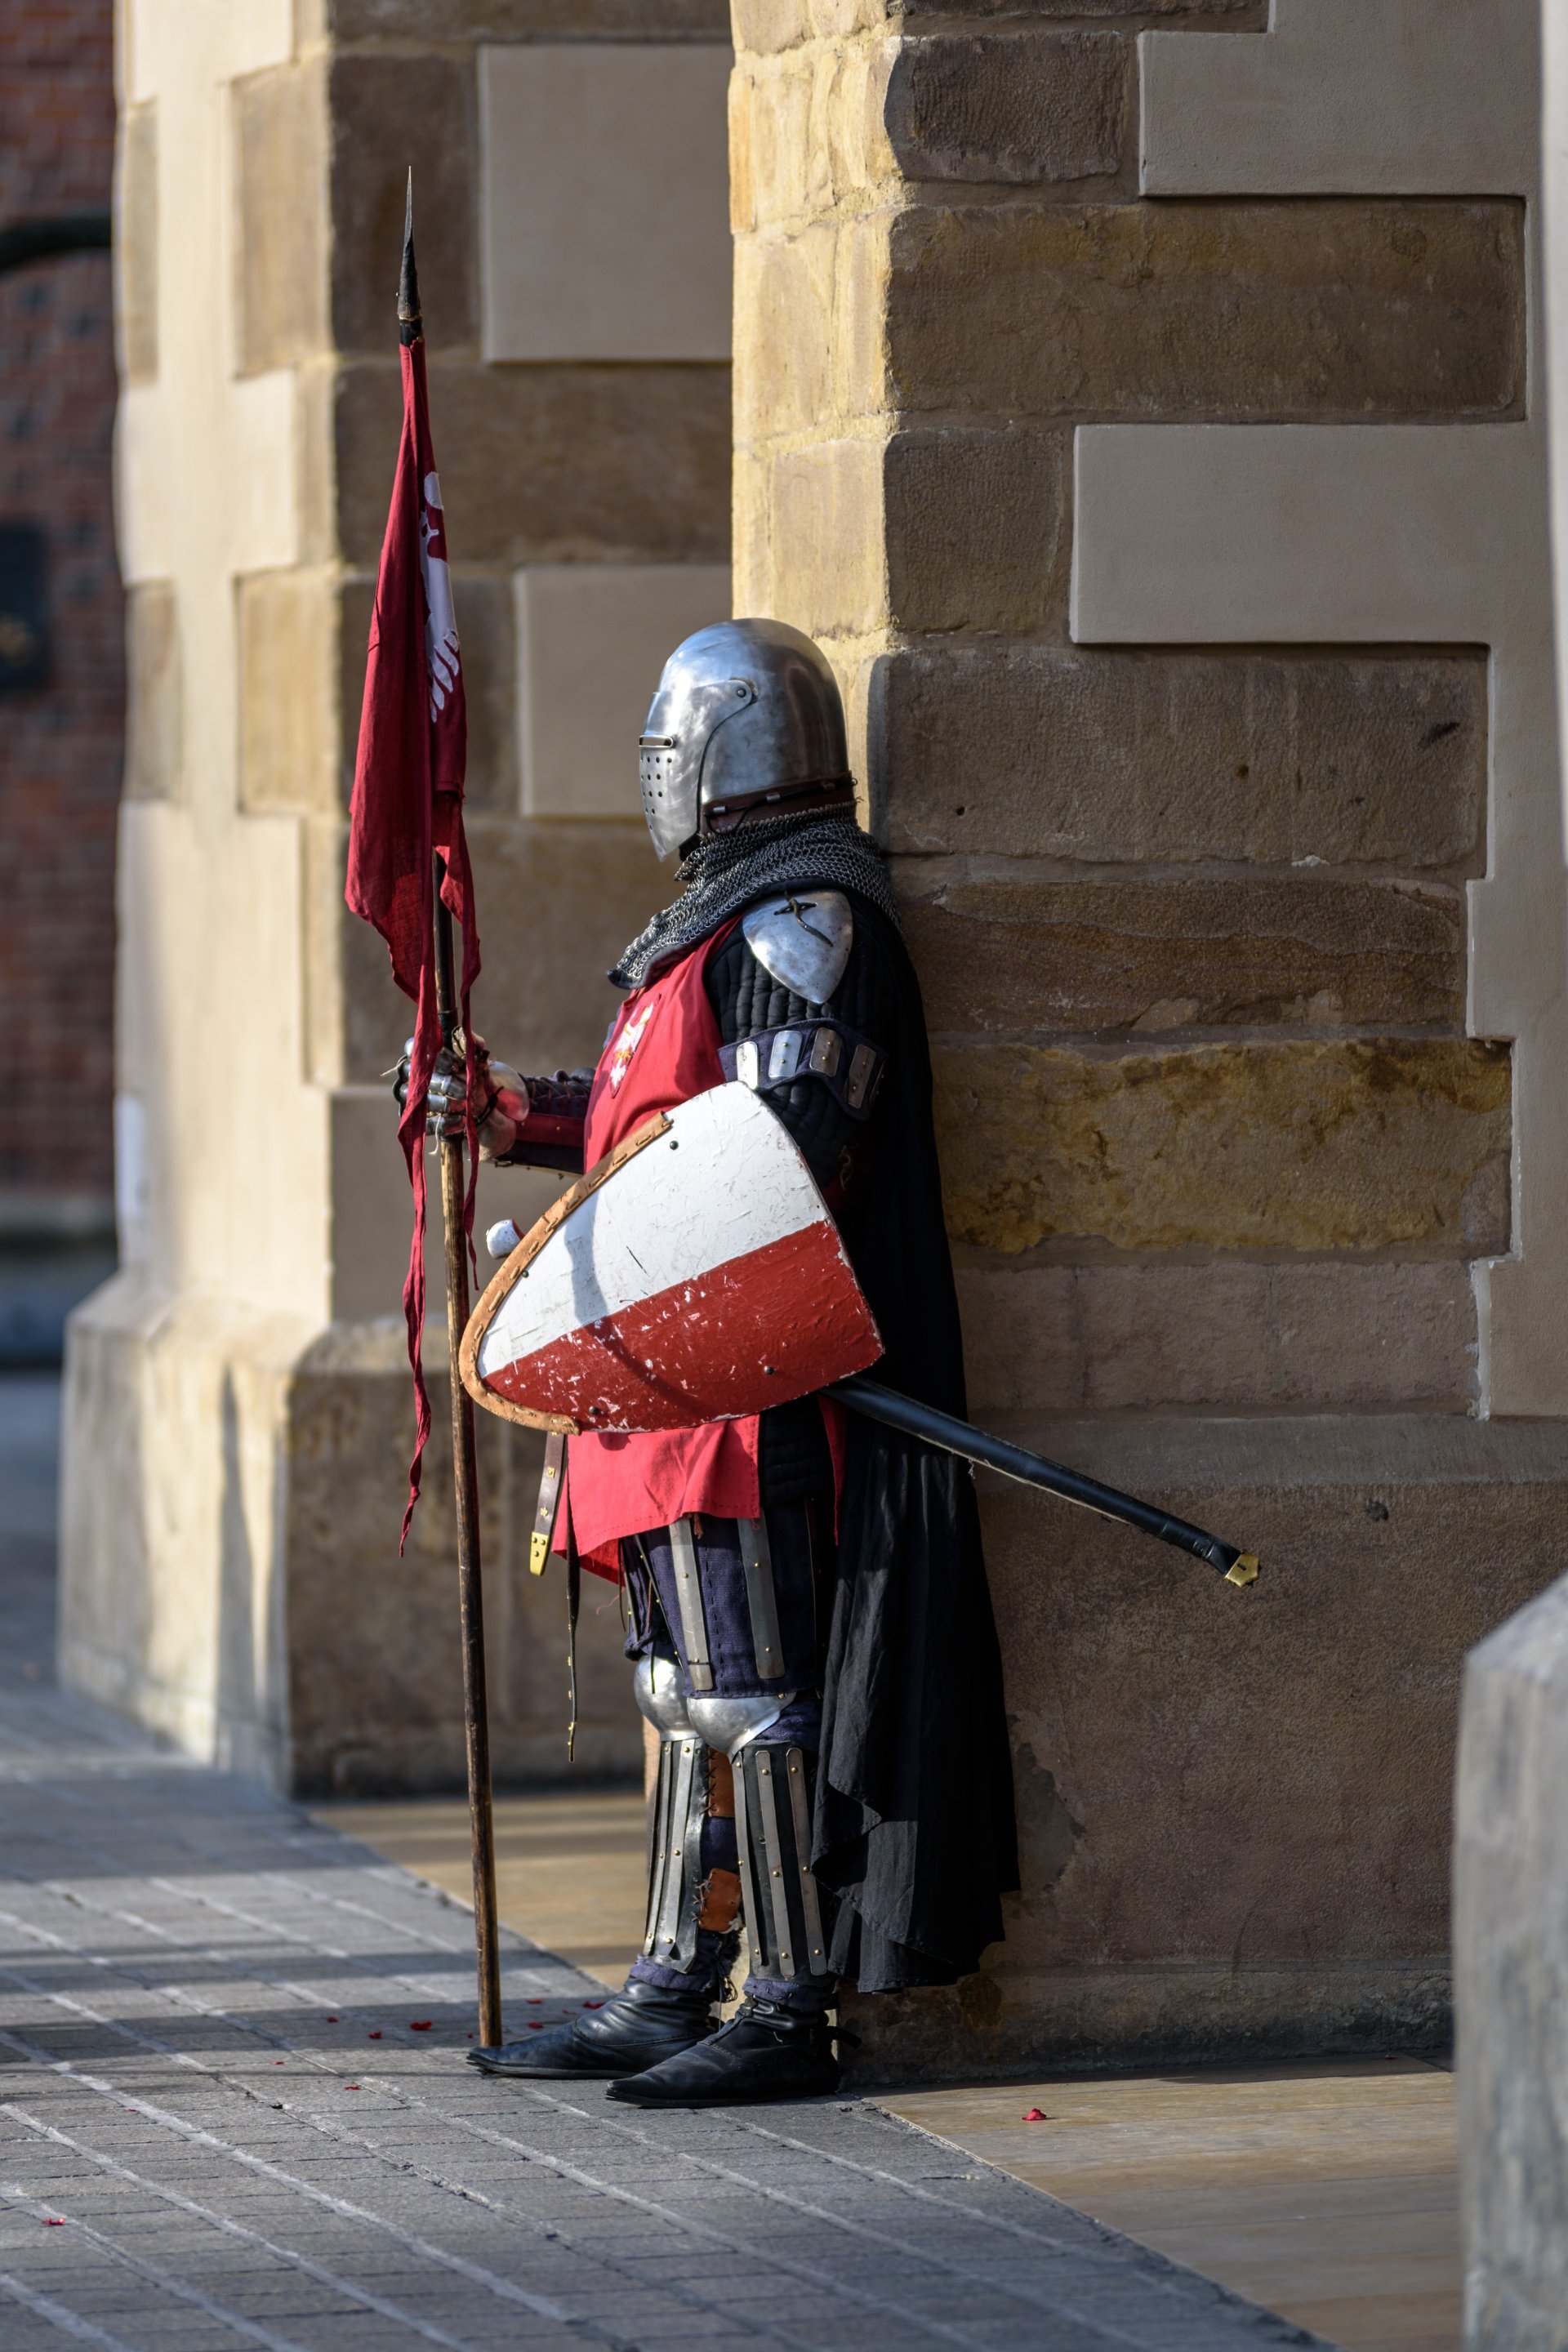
772, 1827
675, 1872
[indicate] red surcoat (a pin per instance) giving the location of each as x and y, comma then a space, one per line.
663, 1049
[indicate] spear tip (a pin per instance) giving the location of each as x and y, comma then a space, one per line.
408, 282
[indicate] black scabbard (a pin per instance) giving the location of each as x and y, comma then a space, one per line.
956, 1436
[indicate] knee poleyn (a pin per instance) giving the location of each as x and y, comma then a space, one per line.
731, 1724
657, 1686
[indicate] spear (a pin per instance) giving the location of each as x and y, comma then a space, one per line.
465, 1479
465, 1463
408, 874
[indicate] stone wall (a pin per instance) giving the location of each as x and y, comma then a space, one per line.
1243, 1104
62, 729
239, 1415
1139, 403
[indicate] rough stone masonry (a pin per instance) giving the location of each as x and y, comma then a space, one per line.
1218, 1150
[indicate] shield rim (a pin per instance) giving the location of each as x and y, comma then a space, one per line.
558, 1424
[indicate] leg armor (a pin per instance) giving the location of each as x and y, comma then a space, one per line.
692, 1880
772, 1828
738, 1599
774, 1782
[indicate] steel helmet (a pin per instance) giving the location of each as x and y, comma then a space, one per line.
746, 712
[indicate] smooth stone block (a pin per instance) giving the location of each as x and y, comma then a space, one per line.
604, 199
592, 640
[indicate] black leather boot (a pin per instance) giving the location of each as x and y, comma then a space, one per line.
636, 2028
764, 2051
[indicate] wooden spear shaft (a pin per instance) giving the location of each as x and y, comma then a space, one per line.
465, 1479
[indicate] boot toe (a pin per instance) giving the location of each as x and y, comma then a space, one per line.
637, 2029
745, 2062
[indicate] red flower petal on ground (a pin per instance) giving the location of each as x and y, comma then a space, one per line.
1036, 2115
53, 2221
351, 2086
593, 2004
535, 2025
421, 2024
373, 2037
331, 2021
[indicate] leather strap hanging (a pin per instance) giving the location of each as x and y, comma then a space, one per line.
552, 1487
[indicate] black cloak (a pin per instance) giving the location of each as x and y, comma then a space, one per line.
914, 1825
914, 1828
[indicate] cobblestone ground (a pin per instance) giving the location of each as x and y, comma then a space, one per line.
234, 2111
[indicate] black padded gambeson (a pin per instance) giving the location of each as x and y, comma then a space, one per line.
746, 1000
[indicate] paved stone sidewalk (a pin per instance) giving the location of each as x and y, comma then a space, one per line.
234, 2111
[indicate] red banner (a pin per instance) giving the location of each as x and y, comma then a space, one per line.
407, 805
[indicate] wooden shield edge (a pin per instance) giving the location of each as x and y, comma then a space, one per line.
557, 1423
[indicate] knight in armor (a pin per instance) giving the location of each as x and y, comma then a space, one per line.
809, 1619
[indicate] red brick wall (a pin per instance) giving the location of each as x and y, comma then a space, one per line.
60, 742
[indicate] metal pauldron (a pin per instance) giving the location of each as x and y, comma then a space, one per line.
849, 1065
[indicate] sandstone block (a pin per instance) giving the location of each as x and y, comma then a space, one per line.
931, 530
778, 154
1114, 756
1153, 956
1305, 1338
785, 307
767, 26
232, 1577
825, 537
1023, 1341
558, 901
154, 700
1226, 1336
287, 677
486, 610
1313, 1147
375, 1675
136, 243
385, 109
1030, 108
1511, 1961
502, 20
1241, 311
549, 464
1236, 1807
976, 530
281, 141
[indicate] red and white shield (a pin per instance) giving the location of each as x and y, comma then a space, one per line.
694, 1275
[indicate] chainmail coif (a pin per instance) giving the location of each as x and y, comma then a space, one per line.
823, 848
